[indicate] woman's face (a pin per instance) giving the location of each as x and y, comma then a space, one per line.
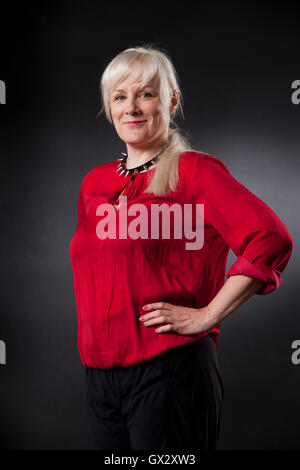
138, 113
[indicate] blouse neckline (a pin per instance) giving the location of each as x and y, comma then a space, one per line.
146, 171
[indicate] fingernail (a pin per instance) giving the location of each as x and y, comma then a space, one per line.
145, 307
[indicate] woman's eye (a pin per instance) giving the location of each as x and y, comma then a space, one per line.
117, 98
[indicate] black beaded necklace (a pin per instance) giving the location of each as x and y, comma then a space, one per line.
122, 168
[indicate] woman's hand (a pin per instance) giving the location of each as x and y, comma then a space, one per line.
175, 319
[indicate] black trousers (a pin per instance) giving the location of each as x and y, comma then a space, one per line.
172, 401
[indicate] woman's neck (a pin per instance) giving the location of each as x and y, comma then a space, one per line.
137, 156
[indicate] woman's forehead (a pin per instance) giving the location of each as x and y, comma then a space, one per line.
135, 85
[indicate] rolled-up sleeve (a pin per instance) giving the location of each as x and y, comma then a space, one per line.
248, 226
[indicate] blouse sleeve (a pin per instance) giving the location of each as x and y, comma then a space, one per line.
249, 227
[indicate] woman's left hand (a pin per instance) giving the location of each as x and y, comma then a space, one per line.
182, 320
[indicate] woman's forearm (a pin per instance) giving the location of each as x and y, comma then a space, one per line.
236, 290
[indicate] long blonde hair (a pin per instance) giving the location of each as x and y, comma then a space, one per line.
153, 62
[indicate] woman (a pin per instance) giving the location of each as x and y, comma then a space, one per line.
150, 301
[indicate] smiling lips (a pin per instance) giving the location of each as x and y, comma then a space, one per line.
134, 123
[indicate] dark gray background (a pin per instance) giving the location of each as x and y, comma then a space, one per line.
236, 63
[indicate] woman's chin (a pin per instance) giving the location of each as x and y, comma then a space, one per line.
133, 140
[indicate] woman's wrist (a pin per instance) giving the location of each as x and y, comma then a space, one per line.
236, 290
206, 319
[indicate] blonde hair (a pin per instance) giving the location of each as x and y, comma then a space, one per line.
148, 62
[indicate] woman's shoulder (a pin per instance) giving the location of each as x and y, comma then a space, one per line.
198, 160
99, 171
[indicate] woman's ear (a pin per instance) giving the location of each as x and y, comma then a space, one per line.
174, 101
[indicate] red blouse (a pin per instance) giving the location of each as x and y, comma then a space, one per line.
115, 277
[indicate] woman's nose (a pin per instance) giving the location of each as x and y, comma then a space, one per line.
131, 106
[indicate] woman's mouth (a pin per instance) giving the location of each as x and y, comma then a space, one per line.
134, 123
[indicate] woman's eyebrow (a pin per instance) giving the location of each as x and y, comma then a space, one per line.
139, 89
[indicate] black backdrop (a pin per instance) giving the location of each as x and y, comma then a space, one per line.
236, 63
